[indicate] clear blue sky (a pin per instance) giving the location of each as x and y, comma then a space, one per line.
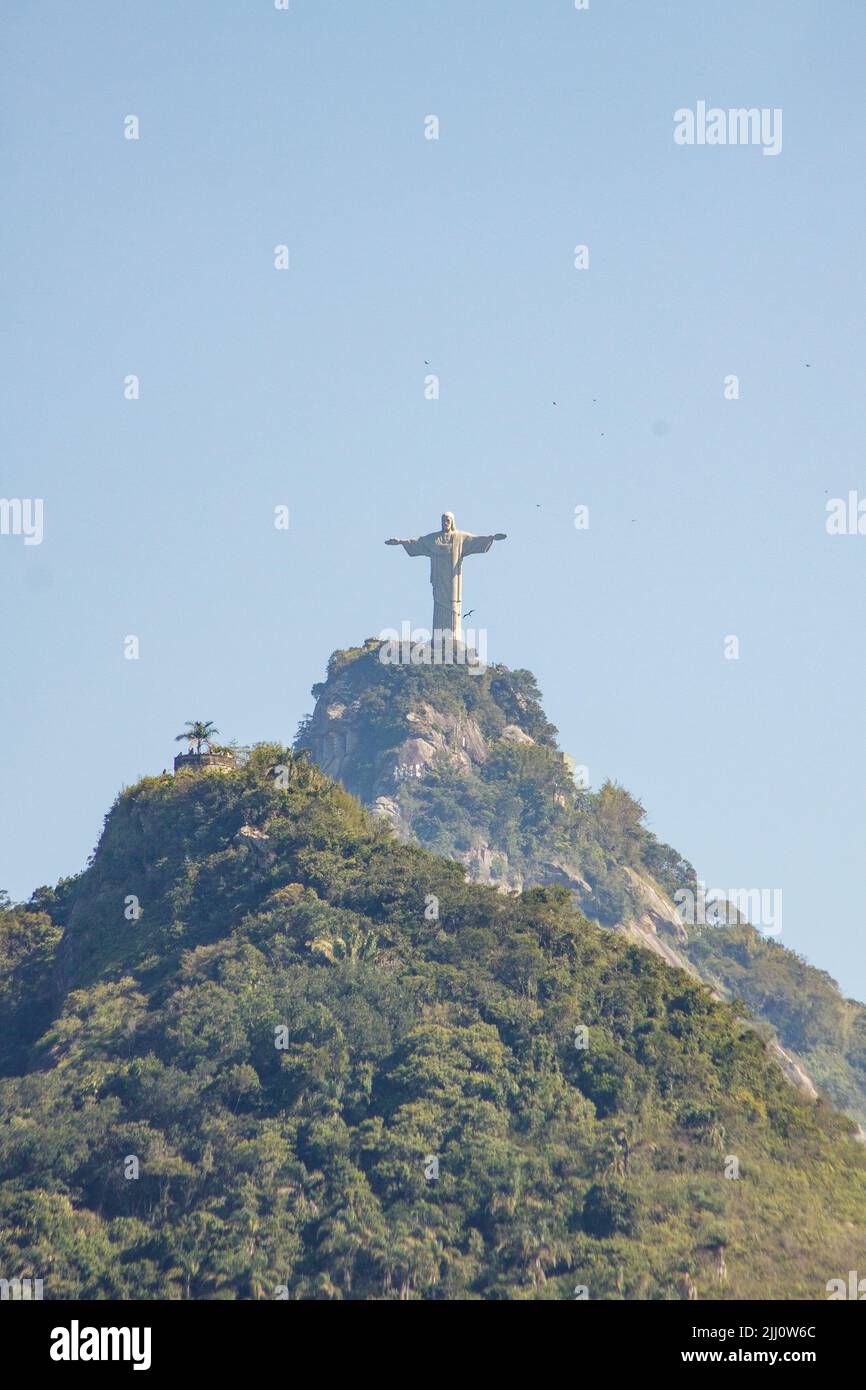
305, 387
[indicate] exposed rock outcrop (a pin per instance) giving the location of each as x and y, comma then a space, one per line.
434, 739
484, 865
796, 1074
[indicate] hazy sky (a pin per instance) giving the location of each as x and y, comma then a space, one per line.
306, 387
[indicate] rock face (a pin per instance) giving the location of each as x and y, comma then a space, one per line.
514, 734
484, 865
428, 743
334, 741
795, 1073
412, 744
433, 740
254, 839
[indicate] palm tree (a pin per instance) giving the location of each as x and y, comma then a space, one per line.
198, 732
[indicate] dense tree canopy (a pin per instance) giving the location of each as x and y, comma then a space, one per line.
261, 1048
522, 803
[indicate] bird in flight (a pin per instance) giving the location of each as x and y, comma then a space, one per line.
469, 614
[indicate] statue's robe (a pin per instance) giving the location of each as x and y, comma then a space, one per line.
446, 554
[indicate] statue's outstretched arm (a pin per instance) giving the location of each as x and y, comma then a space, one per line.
416, 546
478, 545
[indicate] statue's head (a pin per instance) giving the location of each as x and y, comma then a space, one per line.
448, 522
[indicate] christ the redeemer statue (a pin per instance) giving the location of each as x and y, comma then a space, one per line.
446, 550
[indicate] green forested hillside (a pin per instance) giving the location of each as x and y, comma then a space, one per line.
511, 810
307, 1012
801, 1004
